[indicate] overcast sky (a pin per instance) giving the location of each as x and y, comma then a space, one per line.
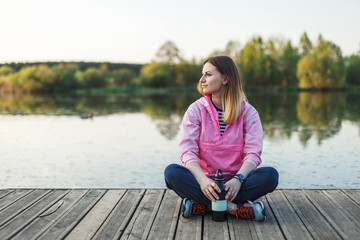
133, 30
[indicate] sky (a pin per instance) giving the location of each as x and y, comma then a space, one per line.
132, 31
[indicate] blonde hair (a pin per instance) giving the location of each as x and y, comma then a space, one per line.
233, 95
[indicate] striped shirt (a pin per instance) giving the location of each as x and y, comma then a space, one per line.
221, 119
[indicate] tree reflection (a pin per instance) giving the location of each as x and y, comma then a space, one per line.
277, 113
167, 111
321, 112
308, 113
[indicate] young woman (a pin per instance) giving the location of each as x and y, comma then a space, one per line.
221, 131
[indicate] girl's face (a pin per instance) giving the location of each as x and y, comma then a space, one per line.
212, 81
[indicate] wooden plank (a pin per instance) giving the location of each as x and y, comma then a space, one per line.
49, 217
67, 222
241, 229
154, 214
20, 221
4, 192
189, 228
346, 204
248, 229
12, 198
14, 209
289, 221
338, 218
120, 217
140, 225
269, 228
167, 218
215, 230
88, 226
317, 225
354, 194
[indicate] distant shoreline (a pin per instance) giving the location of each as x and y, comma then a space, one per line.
118, 91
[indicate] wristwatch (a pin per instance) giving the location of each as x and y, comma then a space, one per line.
240, 177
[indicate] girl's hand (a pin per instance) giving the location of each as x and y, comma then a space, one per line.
209, 188
232, 187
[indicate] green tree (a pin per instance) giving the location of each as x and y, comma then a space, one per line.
353, 69
122, 77
272, 62
323, 68
156, 74
288, 64
169, 53
187, 73
94, 78
305, 44
65, 78
253, 62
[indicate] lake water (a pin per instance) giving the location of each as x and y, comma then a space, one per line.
312, 139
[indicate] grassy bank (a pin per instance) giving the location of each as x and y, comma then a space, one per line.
120, 91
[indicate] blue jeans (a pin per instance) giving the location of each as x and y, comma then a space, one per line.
259, 182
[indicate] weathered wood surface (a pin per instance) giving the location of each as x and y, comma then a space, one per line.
156, 214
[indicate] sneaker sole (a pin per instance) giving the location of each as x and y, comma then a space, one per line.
263, 211
184, 208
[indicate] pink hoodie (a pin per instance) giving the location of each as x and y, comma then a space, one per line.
201, 140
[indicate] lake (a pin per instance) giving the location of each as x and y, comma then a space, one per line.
312, 139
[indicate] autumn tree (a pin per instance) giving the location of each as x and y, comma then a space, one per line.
35, 78
6, 70
187, 73
156, 74
322, 68
7, 78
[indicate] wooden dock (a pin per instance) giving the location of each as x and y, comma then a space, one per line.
155, 214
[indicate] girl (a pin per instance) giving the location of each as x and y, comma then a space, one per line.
221, 131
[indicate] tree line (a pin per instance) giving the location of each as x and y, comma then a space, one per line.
53, 77
275, 62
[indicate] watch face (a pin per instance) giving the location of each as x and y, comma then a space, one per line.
241, 177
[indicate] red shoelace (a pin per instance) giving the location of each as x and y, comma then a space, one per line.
244, 213
199, 209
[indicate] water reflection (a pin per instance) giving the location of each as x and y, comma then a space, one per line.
307, 113
323, 112
319, 113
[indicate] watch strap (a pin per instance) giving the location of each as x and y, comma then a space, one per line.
240, 177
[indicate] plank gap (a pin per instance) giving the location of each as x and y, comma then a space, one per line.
275, 215
132, 212
84, 213
326, 216
109, 215
302, 219
179, 206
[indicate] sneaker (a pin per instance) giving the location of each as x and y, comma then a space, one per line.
254, 211
192, 208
